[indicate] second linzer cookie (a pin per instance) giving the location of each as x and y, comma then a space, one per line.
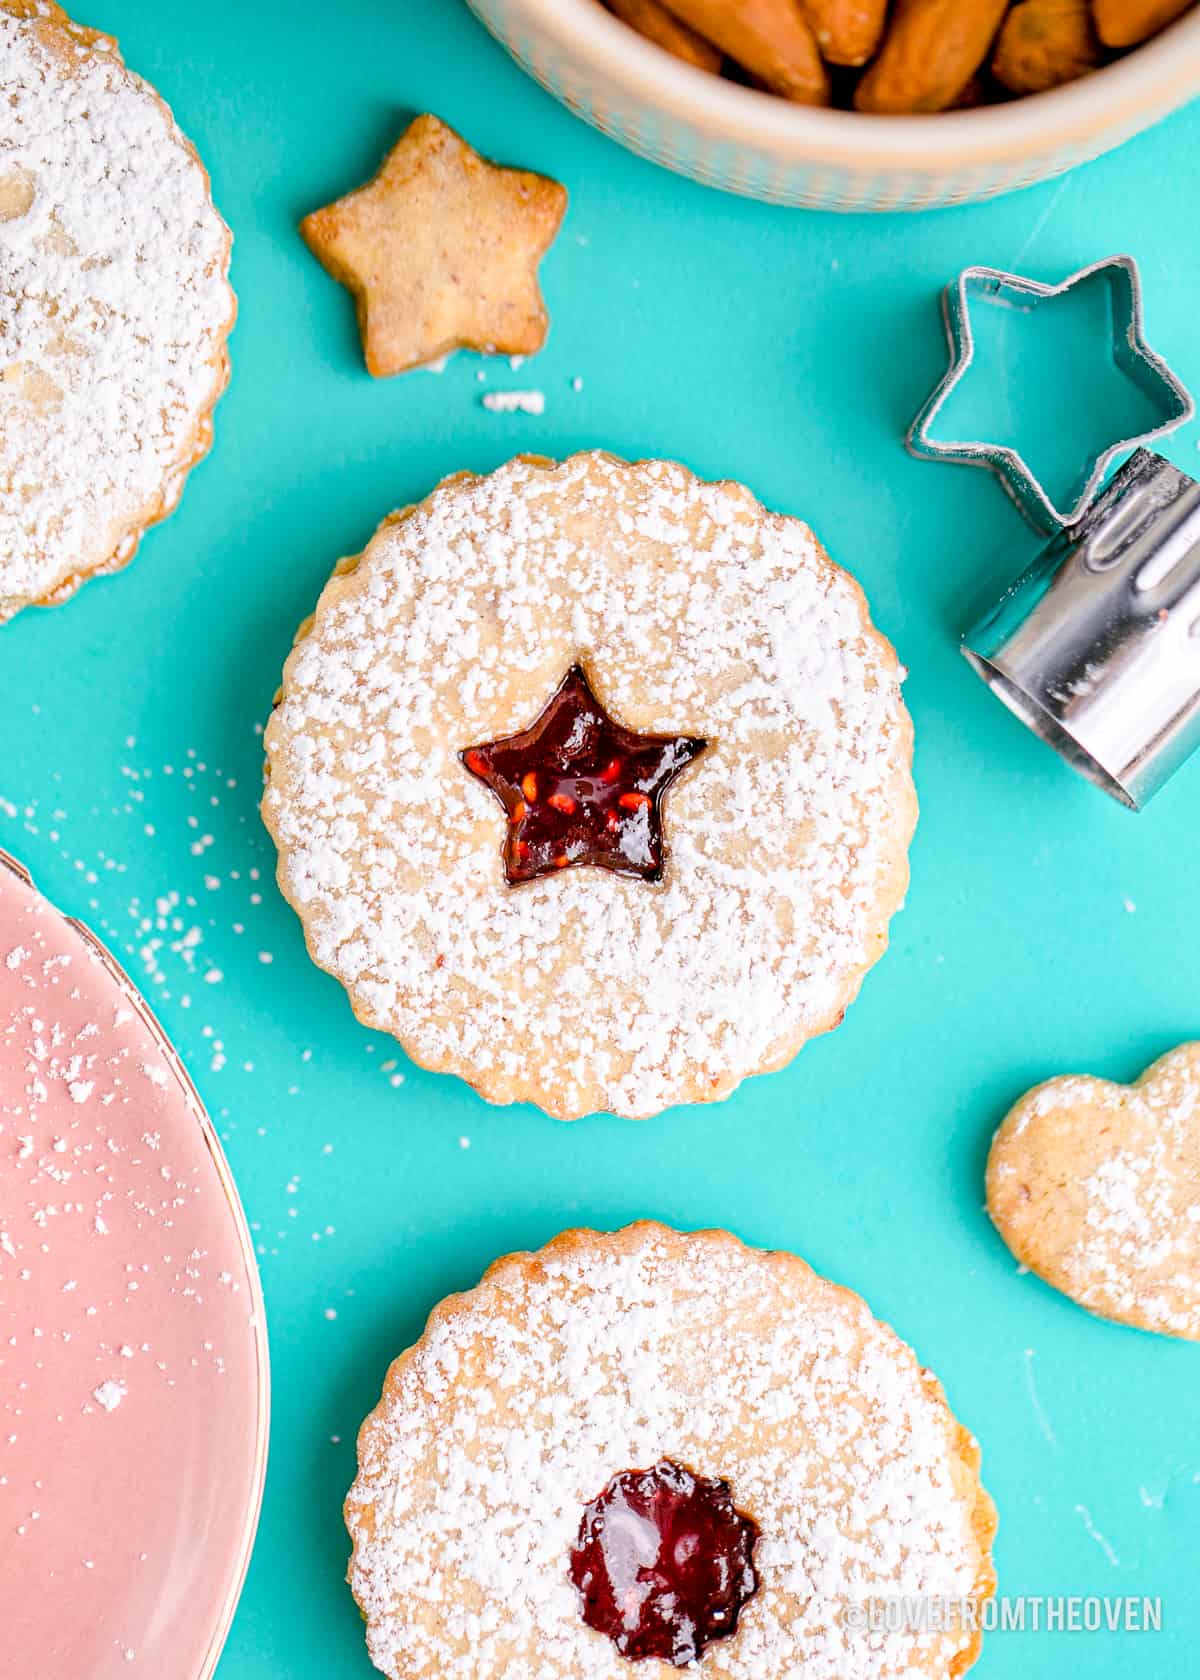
639, 1452
591, 782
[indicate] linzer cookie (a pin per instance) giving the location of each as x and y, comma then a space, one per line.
114, 306
665, 1449
441, 251
1096, 1188
591, 784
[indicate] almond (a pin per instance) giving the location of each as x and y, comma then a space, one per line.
847, 31
1044, 43
931, 50
769, 38
655, 22
1123, 23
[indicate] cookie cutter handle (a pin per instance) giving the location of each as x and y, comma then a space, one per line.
1096, 648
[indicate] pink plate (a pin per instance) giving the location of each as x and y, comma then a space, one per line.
133, 1354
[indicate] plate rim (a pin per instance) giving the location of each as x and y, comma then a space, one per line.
262, 1362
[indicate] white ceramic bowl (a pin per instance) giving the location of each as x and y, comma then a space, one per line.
750, 142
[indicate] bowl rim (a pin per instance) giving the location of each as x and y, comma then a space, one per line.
1149, 81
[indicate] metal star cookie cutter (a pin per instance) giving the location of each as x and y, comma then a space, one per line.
1158, 383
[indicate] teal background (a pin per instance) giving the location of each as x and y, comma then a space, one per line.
1047, 930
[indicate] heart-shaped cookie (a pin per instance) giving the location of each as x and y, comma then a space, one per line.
1096, 1188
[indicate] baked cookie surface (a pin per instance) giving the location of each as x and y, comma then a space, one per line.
441, 251
1096, 1188
114, 306
605, 1353
694, 613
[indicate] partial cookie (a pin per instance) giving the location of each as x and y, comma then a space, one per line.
719, 840
114, 306
1096, 1188
441, 251
654, 1447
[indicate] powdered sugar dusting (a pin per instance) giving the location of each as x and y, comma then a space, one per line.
1140, 1247
514, 402
694, 612
604, 1354
113, 306
109, 1395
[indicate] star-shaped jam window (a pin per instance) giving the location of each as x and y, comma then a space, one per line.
441, 251
578, 788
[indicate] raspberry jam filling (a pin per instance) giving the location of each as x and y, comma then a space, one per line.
664, 1563
580, 789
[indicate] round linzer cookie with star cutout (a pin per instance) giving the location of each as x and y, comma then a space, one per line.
636, 1452
591, 782
115, 306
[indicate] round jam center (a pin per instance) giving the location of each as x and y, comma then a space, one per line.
664, 1562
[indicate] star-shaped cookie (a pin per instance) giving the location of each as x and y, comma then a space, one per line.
441, 251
